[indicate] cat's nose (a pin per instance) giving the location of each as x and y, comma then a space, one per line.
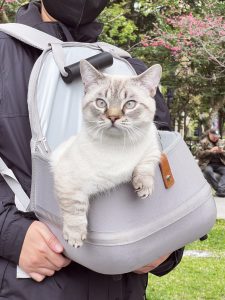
113, 118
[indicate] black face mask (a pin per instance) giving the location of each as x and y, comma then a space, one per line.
74, 12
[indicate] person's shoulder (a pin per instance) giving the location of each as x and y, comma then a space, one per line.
6, 39
204, 140
4, 36
8, 42
137, 64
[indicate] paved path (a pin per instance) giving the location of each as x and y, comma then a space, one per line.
220, 204
204, 253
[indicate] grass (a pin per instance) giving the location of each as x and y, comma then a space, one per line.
195, 278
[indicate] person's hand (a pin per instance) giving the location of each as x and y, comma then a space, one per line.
215, 149
41, 253
152, 265
220, 150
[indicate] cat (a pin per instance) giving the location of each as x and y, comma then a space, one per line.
116, 144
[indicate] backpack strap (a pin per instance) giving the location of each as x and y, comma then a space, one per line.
114, 50
21, 198
28, 35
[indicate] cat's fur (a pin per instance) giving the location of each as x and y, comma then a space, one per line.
116, 144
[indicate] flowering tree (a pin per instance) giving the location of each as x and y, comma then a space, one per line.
8, 9
191, 49
193, 40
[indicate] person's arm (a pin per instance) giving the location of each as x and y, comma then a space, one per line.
13, 226
41, 253
204, 150
169, 264
162, 265
26, 242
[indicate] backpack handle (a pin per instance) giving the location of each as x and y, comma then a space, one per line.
28, 35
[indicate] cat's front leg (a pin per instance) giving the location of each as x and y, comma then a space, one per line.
144, 174
74, 213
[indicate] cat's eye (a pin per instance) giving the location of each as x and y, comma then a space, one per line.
101, 103
130, 104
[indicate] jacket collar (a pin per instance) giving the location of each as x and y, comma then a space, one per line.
29, 14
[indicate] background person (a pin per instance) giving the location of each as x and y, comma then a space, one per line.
211, 155
23, 239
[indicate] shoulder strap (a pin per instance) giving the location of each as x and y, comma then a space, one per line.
29, 35
22, 200
114, 50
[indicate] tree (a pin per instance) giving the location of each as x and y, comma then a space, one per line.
191, 49
8, 9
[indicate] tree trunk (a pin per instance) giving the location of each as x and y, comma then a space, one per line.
3, 17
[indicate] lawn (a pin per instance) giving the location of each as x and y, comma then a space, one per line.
195, 278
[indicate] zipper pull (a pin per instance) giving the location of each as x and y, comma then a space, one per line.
44, 141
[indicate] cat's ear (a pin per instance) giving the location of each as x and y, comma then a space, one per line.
151, 78
89, 74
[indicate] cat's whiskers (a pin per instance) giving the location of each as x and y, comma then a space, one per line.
99, 132
138, 131
102, 131
91, 129
96, 133
130, 137
98, 124
124, 141
137, 134
134, 132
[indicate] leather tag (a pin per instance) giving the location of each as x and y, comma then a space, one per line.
167, 175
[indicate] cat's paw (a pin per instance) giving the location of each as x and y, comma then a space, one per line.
143, 185
75, 235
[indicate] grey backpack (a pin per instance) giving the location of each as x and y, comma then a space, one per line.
124, 233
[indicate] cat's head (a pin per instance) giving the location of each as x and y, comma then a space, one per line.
119, 105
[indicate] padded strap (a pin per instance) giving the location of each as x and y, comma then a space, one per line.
113, 50
29, 35
21, 197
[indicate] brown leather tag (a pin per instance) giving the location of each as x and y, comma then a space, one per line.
167, 175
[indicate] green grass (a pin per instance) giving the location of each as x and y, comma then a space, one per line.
195, 278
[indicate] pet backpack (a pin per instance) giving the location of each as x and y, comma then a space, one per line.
125, 232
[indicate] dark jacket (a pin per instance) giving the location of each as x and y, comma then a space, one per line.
205, 156
75, 281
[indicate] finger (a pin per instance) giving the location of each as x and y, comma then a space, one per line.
46, 264
37, 277
51, 240
54, 249
45, 272
57, 260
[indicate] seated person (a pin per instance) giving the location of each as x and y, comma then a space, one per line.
211, 155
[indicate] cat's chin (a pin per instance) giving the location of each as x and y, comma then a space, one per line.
114, 131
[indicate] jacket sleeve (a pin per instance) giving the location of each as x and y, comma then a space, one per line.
13, 225
204, 150
168, 265
162, 115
